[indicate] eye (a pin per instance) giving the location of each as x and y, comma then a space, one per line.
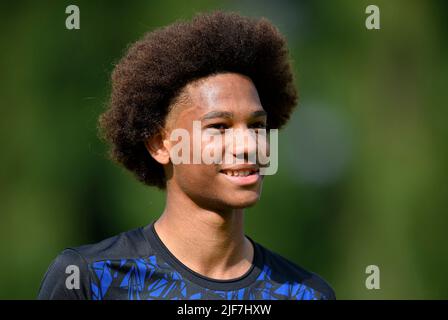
259, 125
218, 126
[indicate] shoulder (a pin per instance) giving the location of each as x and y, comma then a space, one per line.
76, 262
126, 245
64, 278
283, 270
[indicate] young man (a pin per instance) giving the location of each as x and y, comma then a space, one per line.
223, 71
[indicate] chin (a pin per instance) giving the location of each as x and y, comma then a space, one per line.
243, 199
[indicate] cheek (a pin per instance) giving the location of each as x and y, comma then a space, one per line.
212, 149
200, 183
195, 175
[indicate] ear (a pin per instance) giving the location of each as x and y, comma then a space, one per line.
158, 148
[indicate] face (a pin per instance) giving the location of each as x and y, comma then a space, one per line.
219, 102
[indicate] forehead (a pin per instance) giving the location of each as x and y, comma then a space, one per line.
230, 92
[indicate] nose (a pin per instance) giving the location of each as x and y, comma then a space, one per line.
242, 144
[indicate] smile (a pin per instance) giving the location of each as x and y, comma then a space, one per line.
239, 173
243, 176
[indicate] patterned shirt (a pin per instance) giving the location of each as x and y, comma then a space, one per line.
137, 265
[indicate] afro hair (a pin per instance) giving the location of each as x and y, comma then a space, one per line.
155, 69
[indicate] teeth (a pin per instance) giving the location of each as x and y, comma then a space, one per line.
236, 173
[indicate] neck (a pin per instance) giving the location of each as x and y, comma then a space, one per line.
208, 242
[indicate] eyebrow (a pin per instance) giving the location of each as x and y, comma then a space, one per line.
229, 115
217, 114
260, 113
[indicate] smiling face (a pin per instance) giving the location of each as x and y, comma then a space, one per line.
219, 102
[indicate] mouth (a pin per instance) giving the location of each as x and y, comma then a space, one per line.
242, 176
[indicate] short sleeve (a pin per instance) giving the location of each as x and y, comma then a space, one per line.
317, 282
67, 278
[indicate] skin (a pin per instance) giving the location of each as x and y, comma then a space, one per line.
202, 224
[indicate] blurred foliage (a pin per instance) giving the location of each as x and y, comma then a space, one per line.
363, 162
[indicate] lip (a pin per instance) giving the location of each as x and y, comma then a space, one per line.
246, 180
242, 167
243, 181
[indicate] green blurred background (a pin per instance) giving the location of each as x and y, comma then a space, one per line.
362, 166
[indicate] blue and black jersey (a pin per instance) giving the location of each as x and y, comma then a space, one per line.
136, 265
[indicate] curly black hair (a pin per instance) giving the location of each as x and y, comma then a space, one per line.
154, 70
